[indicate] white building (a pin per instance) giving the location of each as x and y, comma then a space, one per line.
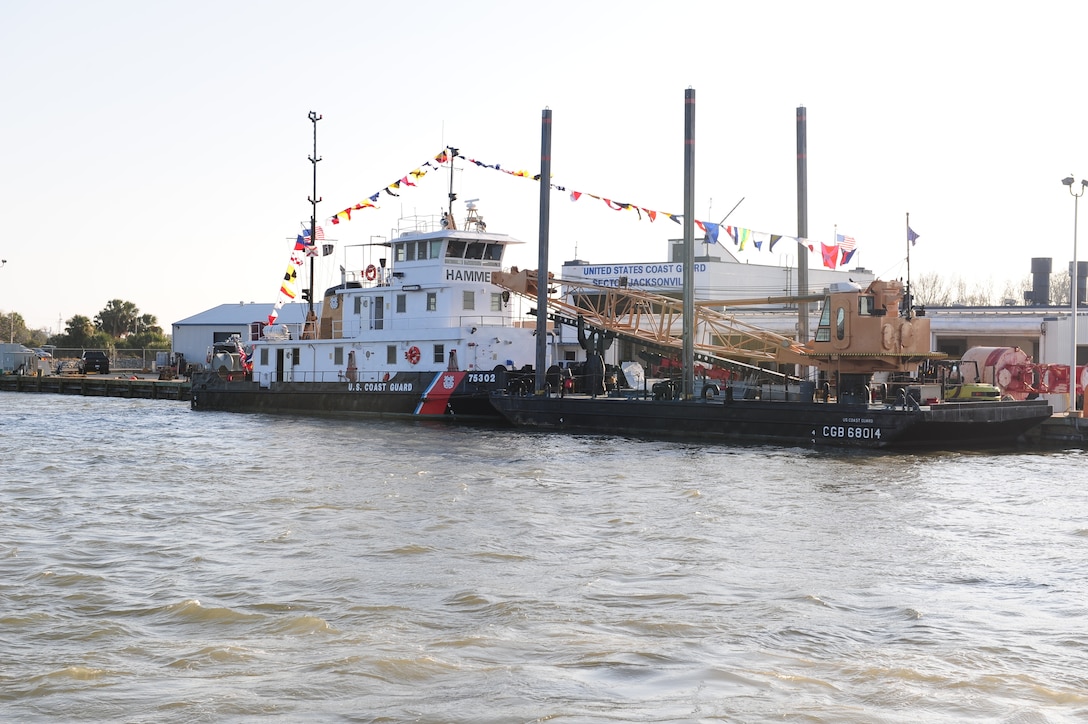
718, 274
194, 336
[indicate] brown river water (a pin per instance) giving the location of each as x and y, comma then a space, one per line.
163, 565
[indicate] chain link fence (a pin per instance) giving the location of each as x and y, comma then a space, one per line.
121, 360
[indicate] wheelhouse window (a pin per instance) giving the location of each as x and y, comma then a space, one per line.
494, 252
823, 332
475, 250
455, 249
398, 252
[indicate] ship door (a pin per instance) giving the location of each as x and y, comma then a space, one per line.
377, 313
279, 365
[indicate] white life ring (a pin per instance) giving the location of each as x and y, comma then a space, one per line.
371, 273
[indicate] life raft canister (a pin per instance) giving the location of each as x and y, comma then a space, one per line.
413, 355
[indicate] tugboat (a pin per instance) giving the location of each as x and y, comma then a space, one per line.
422, 333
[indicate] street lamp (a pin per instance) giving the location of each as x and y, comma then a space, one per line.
11, 330
1073, 279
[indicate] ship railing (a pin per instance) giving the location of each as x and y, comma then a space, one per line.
354, 327
298, 375
419, 224
265, 379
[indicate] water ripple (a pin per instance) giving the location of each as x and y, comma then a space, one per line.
160, 565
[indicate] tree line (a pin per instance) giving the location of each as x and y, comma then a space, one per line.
935, 290
119, 325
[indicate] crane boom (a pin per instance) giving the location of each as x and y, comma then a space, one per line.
860, 331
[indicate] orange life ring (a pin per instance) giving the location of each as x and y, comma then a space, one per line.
413, 355
371, 273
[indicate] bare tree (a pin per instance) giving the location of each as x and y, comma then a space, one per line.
1059, 288
981, 294
1013, 293
931, 290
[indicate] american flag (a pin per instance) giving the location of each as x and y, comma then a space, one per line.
306, 235
846, 243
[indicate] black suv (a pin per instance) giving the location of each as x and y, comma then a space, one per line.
94, 361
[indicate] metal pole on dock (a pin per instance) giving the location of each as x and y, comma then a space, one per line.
802, 223
542, 249
688, 364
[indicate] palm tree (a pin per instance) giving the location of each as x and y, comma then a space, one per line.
79, 329
118, 318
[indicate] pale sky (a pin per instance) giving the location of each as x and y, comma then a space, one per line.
157, 152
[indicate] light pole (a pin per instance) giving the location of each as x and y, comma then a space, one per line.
11, 329
1068, 181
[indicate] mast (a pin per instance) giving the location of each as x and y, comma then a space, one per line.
542, 249
909, 300
314, 200
452, 196
688, 361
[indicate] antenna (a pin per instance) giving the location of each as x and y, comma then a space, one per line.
732, 210
473, 219
452, 196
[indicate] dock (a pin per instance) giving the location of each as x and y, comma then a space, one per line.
98, 386
1060, 430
